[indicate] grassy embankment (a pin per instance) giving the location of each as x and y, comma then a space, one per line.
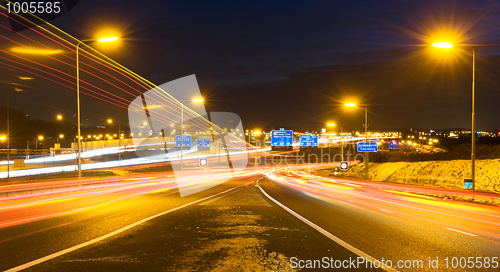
440, 174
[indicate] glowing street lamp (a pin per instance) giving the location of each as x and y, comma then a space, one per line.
447, 45
366, 135
443, 45
61, 136
59, 117
107, 39
341, 144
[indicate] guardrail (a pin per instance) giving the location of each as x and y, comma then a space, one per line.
25, 151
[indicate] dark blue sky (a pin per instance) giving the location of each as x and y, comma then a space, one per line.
292, 63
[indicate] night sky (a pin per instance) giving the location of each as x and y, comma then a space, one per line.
294, 63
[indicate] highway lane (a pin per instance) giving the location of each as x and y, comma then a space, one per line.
238, 231
386, 223
380, 219
36, 227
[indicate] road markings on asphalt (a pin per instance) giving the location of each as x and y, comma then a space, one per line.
38, 203
462, 232
326, 233
133, 179
386, 211
93, 241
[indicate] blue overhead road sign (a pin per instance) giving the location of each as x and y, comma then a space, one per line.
367, 147
393, 145
202, 142
308, 140
186, 140
281, 137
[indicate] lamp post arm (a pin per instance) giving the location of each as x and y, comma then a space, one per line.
79, 159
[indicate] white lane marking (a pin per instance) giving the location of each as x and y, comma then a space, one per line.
73, 248
386, 211
462, 232
326, 233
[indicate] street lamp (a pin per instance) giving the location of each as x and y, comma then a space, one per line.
110, 122
8, 137
182, 123
341, 143
329, 139
108, 39
36, 142
447, 45
59, 117
366, 135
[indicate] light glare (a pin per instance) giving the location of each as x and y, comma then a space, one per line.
108, 39
37, 51
443, 45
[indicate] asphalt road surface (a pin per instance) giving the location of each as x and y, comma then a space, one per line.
284, 221
240, 230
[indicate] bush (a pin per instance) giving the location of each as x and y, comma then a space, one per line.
378, 157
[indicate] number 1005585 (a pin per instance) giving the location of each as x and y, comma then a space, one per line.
33, 7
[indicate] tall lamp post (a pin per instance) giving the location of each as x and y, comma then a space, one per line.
8, 138
182, 123
59, 117
366, 136
341, 143
447, 45
36, 143
109, 39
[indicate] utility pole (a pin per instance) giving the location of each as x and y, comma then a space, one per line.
119, 138
341, 145
366, 140
8, 138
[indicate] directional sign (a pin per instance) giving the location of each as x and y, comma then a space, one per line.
186, 140
202, 142
308, 140
344, 166
393, 145
367, 147
468, 184
281, 137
